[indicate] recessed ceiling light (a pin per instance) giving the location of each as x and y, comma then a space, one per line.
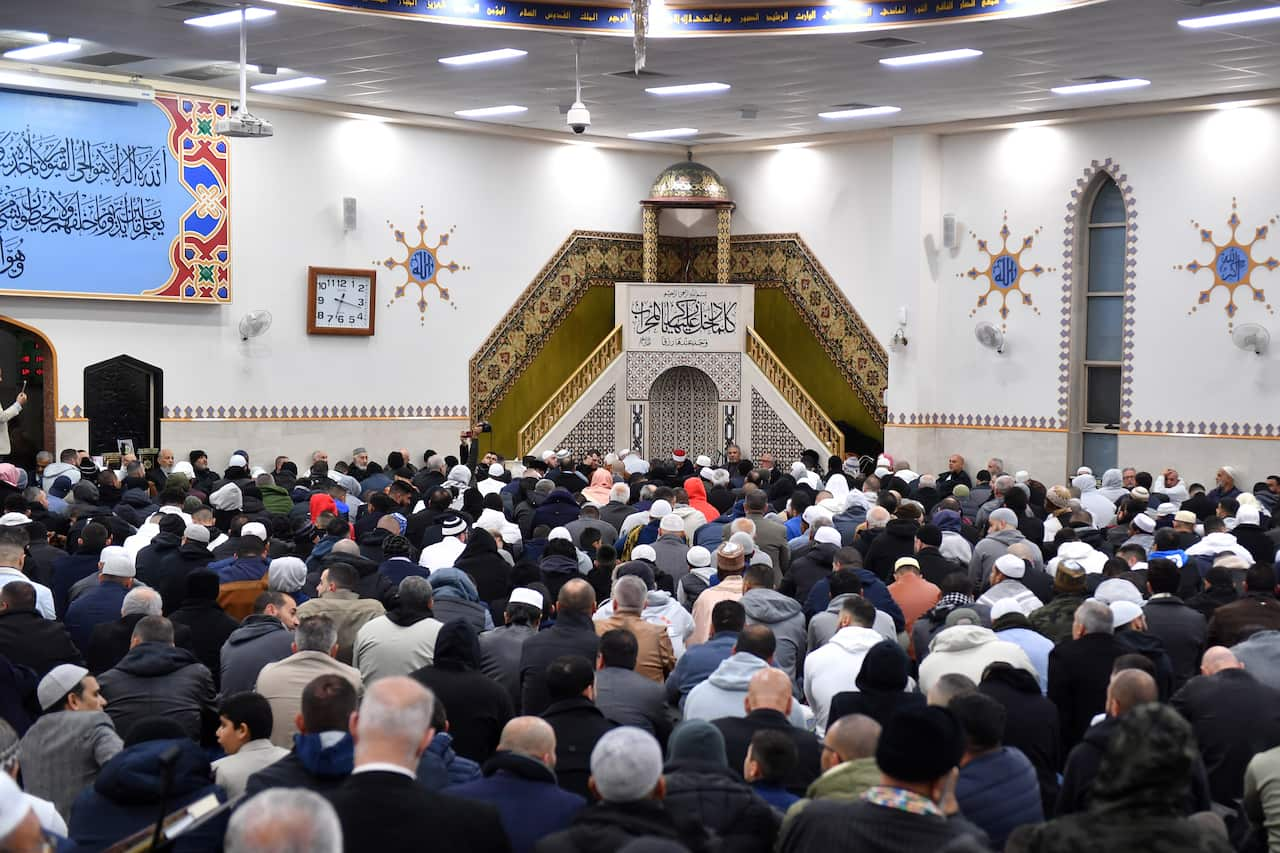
861, 112
484, 56
1248, 16
669, 133
232, 16
1103, 86
485, 112
928, 58
286, 85
688, 89
42, 51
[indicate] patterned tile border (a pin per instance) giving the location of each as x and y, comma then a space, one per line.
290, 413
939, 419
1074, 222
1200, 429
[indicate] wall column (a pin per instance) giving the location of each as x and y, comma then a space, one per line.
650, 234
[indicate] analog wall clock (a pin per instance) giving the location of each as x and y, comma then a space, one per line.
340, 301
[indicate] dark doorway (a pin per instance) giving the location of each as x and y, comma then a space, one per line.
122, 401
26, 356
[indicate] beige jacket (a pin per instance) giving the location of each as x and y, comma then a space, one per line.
729, 589
349, 613
281, 684
656, 658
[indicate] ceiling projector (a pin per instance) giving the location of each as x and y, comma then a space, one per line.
244, 126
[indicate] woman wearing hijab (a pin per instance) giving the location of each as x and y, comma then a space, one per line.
597, 494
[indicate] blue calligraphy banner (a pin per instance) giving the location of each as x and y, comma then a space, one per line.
838, 16
113, 200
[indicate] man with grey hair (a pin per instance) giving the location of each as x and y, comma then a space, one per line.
403, 639
616, 511
381, 803
770, 536
315, 649
626, 775
1080, 670
1000, 486
109, 642
284, 820
1002, 532
656, 658
155, 678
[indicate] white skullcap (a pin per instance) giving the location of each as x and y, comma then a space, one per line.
1004, 607
882, 472
671, 523
525, 595
1124, 612
1114, 590
744, 541
813, 513
1011, 566
827, 536
13, 519
1166, 509
1005, 515
496, 469
698, 557
548, 455
562, 454
559, 533
116, 562
626, 765
797, 469
255, 528
1244, 515
659, 509
237, 461
196, 533
1084, 469
644, 552
1144, 522
1021, 476
703, 461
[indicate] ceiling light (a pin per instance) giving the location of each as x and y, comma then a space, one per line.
286, 85
485, 56
669, 133
74, 86
485, 112
42, 51
688, 89
1103, 86
230, 17
927, 58
1248, 16
861, 112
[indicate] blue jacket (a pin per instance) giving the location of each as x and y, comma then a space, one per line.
66, 571
697, 663
873, 589
775, 795
98, 605
398, 568
999, 792
557, 510
440, 767
125, 796
527, 797
242, 569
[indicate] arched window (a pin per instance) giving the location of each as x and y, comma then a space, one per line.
1098, 322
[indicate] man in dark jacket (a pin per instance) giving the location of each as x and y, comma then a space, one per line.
111, 641
769, 703
1031, 724
916, 754
124, 797
155, 678
151, 559
814, 565
171, 570
488, 570
897, 540
1250, 536
381, 799
1258, 610
323, 751
209, 625
27, 638
1080, 670
576, 720
265, 636
572, 634
557, 510
933, 566
79, 564
454, 678
520, 782
1234, 717
1181, 628
626, 776
502, 648
997, 787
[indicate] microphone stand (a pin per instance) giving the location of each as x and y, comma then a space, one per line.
168, 759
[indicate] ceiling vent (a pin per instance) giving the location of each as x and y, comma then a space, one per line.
104, 60
198, 7
888, 42
630, 74
203, 72
715, 135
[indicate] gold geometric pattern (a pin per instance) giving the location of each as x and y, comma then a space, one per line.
1004, 272
1232, 266
724, 249
422, 266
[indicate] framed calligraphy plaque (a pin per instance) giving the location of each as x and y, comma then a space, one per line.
106, 200
684, 317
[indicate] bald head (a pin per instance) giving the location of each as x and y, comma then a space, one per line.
576, 596
853, 736
769, 688
1218, 658
389, 524
394, 722
531, 737
1130, 688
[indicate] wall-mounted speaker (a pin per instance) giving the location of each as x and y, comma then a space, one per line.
348, 214
949, 237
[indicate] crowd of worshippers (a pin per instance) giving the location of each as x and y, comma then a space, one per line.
607, 653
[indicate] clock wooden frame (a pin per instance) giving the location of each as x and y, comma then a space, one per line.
313, 273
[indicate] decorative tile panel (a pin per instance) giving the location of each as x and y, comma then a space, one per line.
598, 428
684, 412
724, 368
769, 434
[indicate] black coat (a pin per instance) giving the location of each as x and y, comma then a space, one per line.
1079, 674
1086, 758
476, 705
608, 827
488, 571
1255, 540
897, 540
807, 569
28, 639
578, 725
40, 559
1031, 724
861, 826
934, 567
210, 627
573, 634
1182, 629
738, 732
109, 642
1234, 717
716, 797
68, 570
151, 558
1150, 647
173, 568
879, 705
387, 812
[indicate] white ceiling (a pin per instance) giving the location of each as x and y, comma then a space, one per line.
386, 63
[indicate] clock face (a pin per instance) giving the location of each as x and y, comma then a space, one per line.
341, 302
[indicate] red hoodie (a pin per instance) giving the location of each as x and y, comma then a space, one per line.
698, 498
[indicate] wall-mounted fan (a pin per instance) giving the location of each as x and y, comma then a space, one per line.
990, 337
1251, 337
254, 323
